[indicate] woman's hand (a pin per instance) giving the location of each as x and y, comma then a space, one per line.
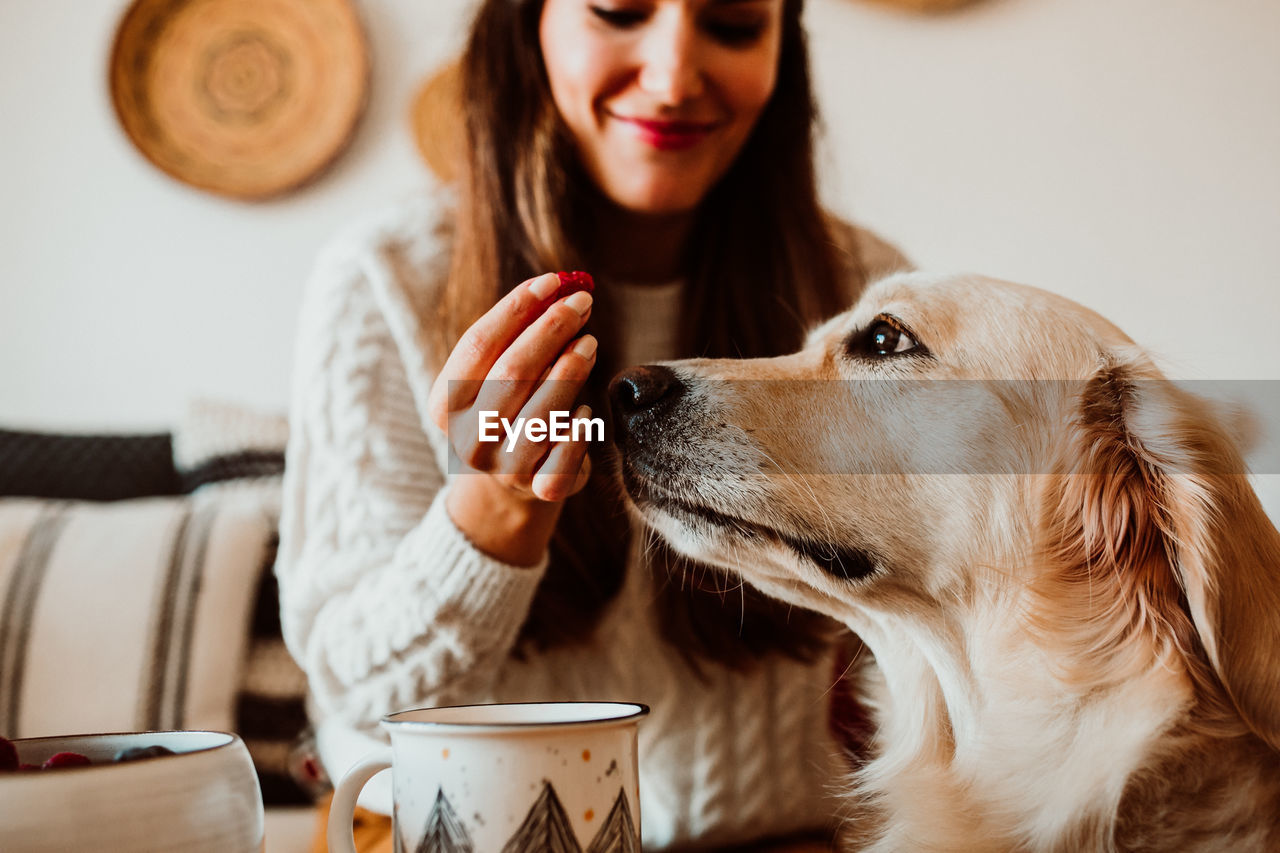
522, 359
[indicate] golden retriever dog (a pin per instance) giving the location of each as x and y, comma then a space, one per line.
1069, 588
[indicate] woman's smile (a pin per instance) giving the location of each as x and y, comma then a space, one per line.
668, 134
659, 96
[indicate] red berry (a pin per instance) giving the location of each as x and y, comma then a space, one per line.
65, 759
572, 282
28, 766
8, 755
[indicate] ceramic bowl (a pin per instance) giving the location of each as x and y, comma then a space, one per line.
205, 798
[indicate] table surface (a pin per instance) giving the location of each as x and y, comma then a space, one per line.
289, 830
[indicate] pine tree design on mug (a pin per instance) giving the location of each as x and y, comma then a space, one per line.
545, 829
445, 832
618, 835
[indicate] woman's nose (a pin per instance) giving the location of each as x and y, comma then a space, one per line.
670, 69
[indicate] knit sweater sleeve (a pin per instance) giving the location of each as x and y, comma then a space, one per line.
384, 602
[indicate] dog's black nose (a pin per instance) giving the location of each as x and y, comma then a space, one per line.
640, 388
639, 395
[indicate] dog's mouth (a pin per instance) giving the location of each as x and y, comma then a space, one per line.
839, 561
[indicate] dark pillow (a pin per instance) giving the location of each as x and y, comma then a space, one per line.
89, 467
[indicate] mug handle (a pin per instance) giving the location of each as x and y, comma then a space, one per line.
342, 810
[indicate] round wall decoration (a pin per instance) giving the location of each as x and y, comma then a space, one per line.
434, 119
245, 98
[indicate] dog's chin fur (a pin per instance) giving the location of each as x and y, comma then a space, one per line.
1085, 656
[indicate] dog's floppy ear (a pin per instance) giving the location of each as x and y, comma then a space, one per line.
1158, 506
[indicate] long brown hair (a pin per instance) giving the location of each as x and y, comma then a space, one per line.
761, 264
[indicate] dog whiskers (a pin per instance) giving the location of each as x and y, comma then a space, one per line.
829, 528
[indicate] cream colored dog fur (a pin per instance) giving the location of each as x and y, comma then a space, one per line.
1069, 590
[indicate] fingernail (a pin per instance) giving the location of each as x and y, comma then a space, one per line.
583, 411
586, 346
576, 280
544, 285
579, 302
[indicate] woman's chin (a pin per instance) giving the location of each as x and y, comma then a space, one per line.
639, 185
660, 201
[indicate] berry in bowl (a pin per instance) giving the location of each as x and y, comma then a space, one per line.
140, 791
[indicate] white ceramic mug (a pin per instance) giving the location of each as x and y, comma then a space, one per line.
550, 776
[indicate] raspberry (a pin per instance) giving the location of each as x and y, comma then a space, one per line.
8, 755
135, 753
65, 759
571, 282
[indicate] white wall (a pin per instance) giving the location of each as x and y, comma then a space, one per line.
125, 293
1124, 154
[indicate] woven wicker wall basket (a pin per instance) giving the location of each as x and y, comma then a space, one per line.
245, 98
435, 118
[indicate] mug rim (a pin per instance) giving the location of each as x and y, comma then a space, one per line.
637, 711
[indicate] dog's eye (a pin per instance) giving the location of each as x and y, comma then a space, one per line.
886, 340
882, 338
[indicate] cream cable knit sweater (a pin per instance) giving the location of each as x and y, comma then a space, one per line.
387, 605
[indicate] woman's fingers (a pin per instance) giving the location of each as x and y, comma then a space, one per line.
482, 343
538, 345
563, 383
566, 468
514, 377
479, 348
486, 339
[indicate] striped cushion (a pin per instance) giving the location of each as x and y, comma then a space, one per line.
224, 452
125, 616
271, 701
225, 448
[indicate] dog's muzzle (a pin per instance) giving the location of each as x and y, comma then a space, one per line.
642, 398
666, 465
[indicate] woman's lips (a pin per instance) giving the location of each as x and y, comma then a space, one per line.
670, 135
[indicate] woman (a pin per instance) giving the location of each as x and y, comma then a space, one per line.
666, 146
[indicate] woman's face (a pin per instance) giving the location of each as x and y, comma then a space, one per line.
660, 95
